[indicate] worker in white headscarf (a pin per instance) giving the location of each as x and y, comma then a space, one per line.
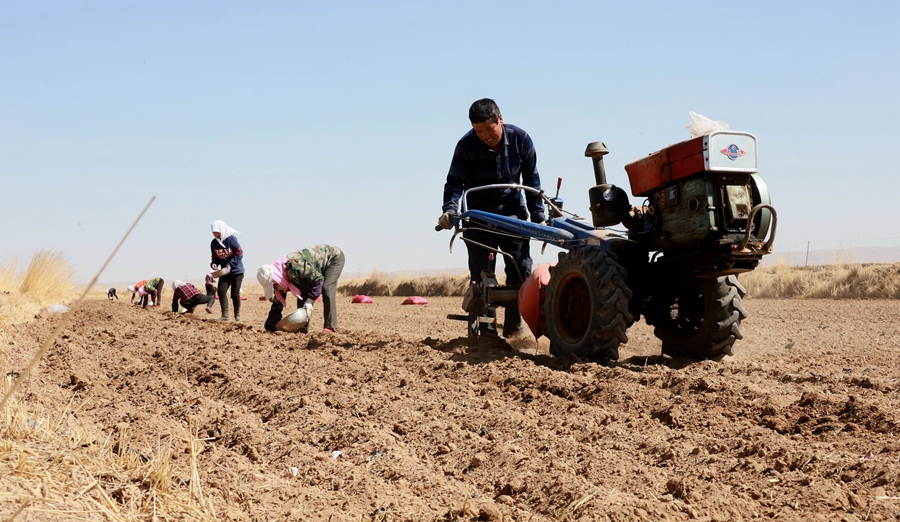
227, 258
136, 291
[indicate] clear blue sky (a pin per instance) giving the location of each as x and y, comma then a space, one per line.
300, 123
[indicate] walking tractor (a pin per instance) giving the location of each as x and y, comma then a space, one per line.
706, 217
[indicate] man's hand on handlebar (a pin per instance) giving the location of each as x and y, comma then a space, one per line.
445, 221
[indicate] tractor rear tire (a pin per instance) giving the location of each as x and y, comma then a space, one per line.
586, 307
700, 321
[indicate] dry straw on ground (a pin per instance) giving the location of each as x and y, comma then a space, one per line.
58, 469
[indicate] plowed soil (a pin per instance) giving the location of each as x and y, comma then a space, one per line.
399, 417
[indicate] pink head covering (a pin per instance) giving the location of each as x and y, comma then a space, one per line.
270, 275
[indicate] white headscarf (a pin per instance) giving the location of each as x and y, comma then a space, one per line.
264, 276
224, 230
176, 284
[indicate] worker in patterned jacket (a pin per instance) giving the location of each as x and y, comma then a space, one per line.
189, 297
152, 292
306, 274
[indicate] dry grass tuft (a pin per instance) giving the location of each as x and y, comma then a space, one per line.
379, 285
47, 280
840, 281
48, 276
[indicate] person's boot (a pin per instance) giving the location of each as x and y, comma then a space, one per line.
224, 303
237, 309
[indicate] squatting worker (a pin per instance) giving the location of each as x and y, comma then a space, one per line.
306, 274
189, 297
494, 152
228, 254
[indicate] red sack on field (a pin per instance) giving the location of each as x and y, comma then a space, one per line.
262, 298
362, 299
415, 300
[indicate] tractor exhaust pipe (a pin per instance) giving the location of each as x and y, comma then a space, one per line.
596, 150
609, 203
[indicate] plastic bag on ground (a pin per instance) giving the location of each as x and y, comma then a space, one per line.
700, 125
415, 300
58, 309
361, 299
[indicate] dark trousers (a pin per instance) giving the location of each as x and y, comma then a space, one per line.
151, 295
210, 290
234, 282
479, 259
196, 301
276, 313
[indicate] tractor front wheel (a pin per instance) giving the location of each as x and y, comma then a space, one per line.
699, 321
586, 307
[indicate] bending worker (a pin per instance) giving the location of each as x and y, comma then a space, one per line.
152, 290
136, 290
306, 274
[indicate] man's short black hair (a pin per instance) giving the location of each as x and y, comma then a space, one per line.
483, 110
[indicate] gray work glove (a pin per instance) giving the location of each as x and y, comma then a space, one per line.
445, 222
